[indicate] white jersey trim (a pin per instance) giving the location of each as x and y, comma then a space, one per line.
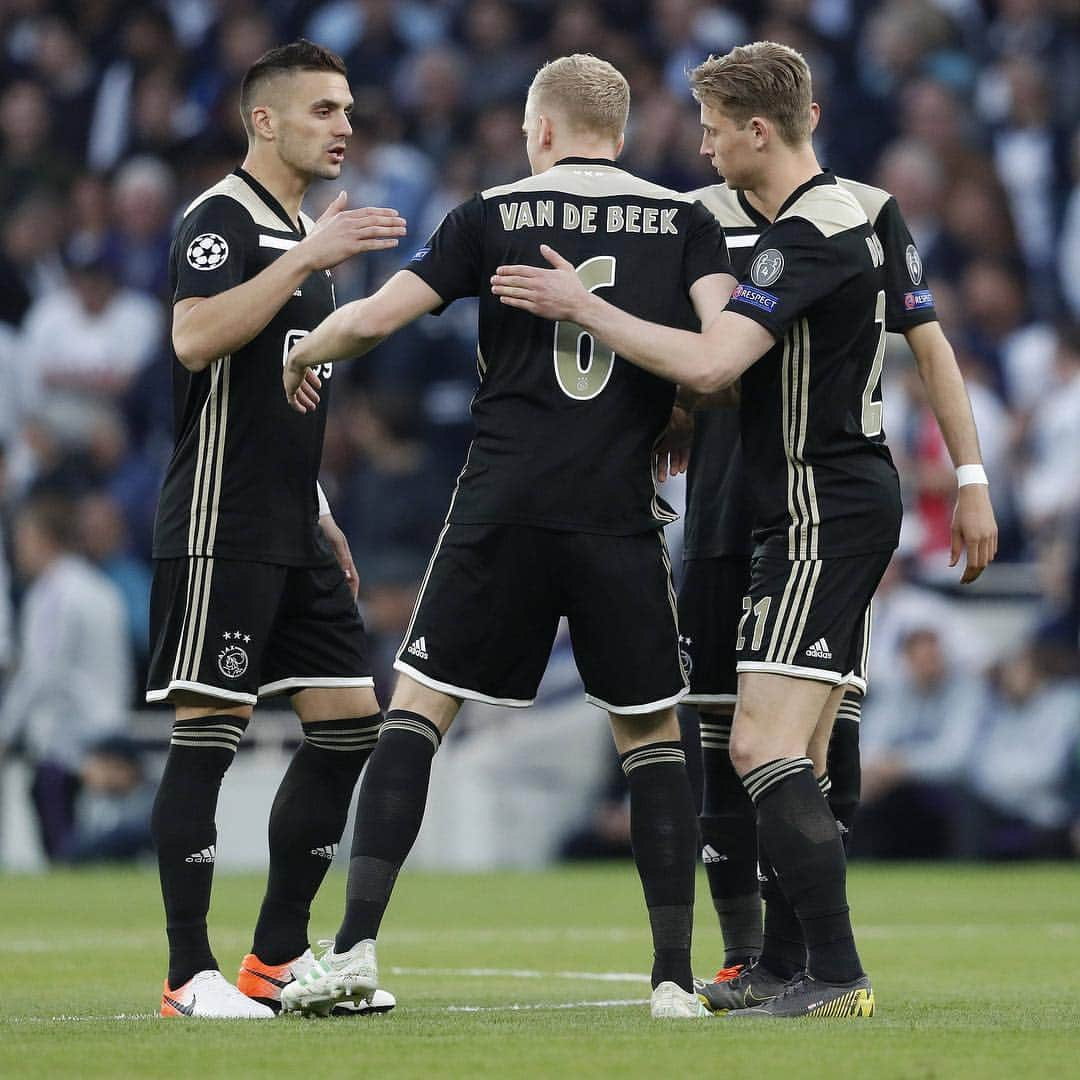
301, 682
638, 710
793, 671
459, 691
200, 688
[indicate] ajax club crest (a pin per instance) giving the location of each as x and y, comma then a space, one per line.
233, 659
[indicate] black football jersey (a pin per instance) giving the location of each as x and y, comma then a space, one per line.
565, 428
241, 481
821, 479
718, 512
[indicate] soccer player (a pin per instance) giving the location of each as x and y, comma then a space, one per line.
555, 512
805, 331
249, 599
717, 549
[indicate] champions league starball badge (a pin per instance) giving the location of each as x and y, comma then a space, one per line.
207, 252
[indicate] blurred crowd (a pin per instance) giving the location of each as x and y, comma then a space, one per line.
114, 114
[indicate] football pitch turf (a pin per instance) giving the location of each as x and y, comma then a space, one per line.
976, 973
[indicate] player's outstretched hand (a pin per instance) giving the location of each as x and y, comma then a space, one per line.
339, 233
343, 554
974, 530
551, 294
671, 455
302, 387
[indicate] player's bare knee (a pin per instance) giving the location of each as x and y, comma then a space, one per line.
434, 705
631, 731
745, 746
318, 704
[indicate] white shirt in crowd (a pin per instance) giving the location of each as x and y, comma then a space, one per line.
71, 684
61, 340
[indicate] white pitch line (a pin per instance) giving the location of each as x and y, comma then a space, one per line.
616, 1004
522, 973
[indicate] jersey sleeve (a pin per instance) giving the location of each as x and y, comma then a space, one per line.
450, 262
908, 301
210, 249
706, 248
792, 268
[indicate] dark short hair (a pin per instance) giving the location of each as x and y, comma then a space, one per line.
54, 514
300, 55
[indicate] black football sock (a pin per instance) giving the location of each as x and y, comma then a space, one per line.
690, 737
798, 833
729, 845
306, 823
389, 812
844, 765
182, 825
663, 832
783, 951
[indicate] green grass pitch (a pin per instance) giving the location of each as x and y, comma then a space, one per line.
976, 972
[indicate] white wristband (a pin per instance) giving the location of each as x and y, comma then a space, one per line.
970, 474
324, 505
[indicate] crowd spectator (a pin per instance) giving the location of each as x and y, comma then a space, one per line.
112, 819
1018, 797
72, 674
918, 735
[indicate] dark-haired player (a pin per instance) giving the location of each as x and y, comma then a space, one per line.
250, 595
555, 511
805, 329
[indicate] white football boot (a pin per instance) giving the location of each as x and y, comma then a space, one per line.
265, 983
336, 979
671, 1002
209, 995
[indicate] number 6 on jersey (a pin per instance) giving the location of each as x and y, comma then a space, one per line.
583, 382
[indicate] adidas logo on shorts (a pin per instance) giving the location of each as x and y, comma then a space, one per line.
327, 851
204, 856
419, 648
820, 649
710, 855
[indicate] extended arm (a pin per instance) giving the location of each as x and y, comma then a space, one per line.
704, 362
973, 526
358, 327
671, 455
206, 327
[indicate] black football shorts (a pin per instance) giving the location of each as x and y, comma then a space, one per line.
810, 618
490, 604
710, 606
238, 631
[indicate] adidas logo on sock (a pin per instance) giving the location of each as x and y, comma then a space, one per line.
419, 648
327, 851
206, 855
709, 855
820, 649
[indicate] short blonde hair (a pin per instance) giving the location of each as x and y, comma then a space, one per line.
762, 79
591, 93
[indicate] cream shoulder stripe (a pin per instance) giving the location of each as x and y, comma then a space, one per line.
830, 208
591, 181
